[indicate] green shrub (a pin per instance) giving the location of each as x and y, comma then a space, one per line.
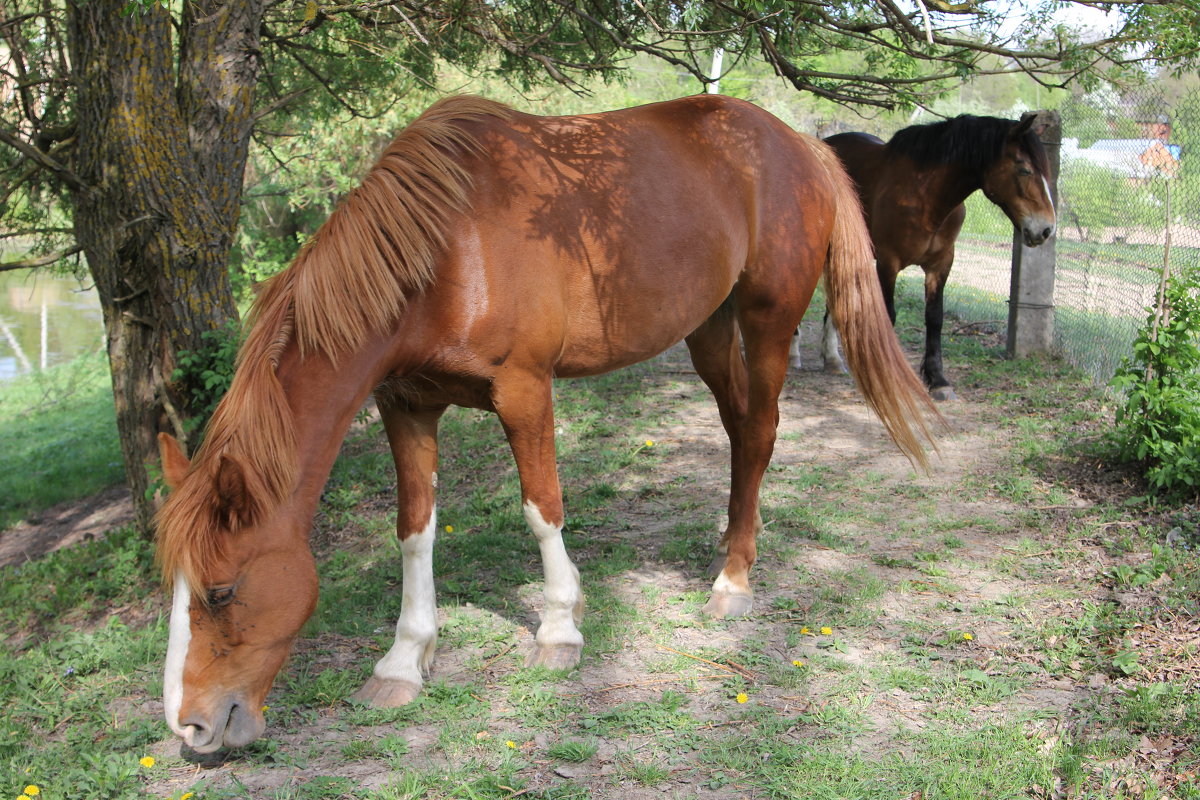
1158, 423
205, 374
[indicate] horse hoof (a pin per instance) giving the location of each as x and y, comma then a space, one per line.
725, 605
556, 656
382, 693
794, 365
718, 564
943, 394
836, 368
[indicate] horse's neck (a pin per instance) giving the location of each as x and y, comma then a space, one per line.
947, 186
325, 396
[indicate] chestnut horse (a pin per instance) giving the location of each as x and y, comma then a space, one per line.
487, 253
913, 189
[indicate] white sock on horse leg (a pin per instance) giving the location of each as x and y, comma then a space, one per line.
411, 655
564, 598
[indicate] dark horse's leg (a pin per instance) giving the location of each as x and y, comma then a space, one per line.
887, 271
831, 356
399, 675
936, 273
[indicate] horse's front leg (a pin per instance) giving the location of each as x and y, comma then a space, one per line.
524, 405
400, 674
936, 273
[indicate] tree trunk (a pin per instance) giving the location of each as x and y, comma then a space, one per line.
163, 156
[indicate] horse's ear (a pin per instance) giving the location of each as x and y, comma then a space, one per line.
174, 463
1024, 125
230, 483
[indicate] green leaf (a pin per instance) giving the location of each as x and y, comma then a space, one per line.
1126, 662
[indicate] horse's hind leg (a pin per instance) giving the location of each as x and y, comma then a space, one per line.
831, 353
399, 675
748, 403
526, 411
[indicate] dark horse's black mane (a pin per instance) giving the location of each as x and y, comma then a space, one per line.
973, 143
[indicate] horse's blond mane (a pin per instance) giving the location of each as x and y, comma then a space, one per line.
352, 278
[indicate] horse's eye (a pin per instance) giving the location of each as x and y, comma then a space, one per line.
220, 596
1024, 171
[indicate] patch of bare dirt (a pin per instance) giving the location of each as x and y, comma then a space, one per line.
66, 524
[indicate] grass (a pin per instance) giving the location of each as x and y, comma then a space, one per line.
58, 434
958, 606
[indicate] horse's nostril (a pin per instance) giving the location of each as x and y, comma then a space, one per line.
1046, 233
199, 731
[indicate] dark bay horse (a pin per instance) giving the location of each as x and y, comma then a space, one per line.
913, 189
487, 253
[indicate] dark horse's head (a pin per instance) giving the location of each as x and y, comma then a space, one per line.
1005, 157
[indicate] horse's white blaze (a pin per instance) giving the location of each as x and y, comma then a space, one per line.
178, 639
562, 592
411, 654
1049, 195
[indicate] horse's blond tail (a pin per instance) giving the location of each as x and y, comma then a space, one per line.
873, 352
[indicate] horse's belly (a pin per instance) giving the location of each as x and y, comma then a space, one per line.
608, 337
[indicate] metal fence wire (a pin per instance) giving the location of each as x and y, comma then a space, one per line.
1128, 204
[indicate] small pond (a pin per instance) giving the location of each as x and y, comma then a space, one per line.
45, 319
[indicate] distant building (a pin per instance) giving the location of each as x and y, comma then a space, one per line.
1139, 159
1156, 127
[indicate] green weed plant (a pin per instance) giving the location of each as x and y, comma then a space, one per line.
1158, 423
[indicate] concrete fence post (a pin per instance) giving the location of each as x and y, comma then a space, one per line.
1031, 294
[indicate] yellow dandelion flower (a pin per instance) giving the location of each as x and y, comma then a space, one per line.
742, 697
449, 529
511, 744
826, 630
805, 631
33, 790
797, 662
649, 443
187, 796
146, 761
967, 637
24, 797
265, 709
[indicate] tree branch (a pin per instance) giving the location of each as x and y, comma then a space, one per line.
37, 156
40, 261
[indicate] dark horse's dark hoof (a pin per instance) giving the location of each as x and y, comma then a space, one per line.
942, 393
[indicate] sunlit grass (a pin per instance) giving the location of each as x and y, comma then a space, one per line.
58, 437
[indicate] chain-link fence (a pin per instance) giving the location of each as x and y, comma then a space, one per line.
1128, 203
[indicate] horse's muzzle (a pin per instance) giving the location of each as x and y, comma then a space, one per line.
231, 724
1036, 231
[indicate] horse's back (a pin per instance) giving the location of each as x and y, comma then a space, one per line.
600, 240
862, 156
898, 214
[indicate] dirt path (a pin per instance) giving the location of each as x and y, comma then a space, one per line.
66, 524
